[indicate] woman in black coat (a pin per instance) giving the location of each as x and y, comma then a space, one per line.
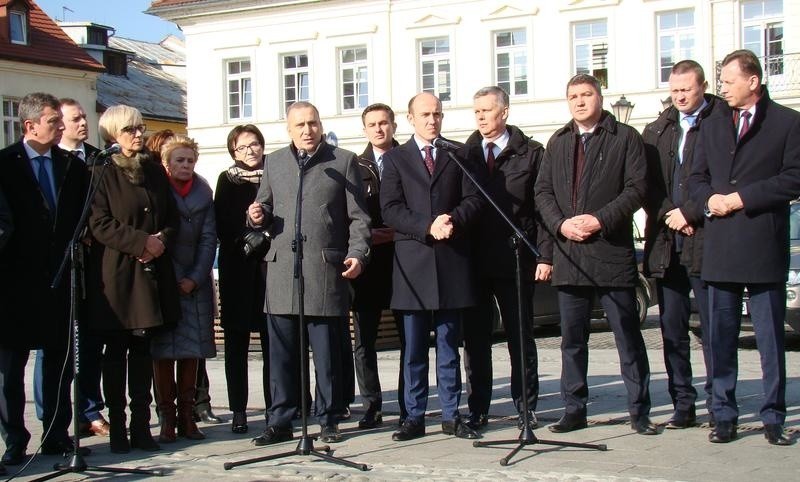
131, 275
242, 278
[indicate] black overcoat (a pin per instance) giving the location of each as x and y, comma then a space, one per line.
752, 244
612, 188
428, 274
33, 315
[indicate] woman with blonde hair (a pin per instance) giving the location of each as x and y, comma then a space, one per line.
133, 222
192, 257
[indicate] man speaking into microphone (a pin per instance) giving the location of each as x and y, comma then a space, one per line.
336, 240
430, 203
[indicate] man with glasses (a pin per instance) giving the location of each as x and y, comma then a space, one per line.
45, 189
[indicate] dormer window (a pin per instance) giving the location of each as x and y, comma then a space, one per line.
18, 26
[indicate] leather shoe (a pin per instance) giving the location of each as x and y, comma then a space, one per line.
476, 420
568, 423
330, 434
723, 433
64, 447
775, 435
273, 435
409, 430
644, 426
207, 416
533, 422
239, 424
372, 418
99, 427
13, 457
681, 419
459, 429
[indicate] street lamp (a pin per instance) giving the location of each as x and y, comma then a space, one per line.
622, 109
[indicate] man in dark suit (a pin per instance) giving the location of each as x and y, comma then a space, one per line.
746, 170
674, 243
45, 189
430, 204
510, 161
591, 182
373, 289
335, 228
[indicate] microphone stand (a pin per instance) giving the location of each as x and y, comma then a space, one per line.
306, 444
74, 258
517, 240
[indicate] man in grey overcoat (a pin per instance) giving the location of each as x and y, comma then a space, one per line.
335, 228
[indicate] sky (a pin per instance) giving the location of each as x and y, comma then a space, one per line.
123, 15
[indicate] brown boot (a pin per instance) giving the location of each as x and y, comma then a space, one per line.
187, 377
164, 376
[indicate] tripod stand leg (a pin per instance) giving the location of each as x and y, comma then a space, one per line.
600, 447
335, 460
230, 465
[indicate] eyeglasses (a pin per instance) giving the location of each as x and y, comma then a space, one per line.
132, 130
243, 149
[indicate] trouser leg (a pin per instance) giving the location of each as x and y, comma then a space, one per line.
575, 304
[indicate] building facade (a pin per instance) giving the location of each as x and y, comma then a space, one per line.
247, 60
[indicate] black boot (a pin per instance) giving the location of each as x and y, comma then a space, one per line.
140, 374
114, 368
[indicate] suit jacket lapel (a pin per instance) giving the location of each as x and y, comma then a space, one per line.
417, 163
442, 159
60, 167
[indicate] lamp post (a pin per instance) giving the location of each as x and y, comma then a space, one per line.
622, 109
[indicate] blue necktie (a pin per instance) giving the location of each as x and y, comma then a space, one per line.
44, 183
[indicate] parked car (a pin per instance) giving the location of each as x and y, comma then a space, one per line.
792, 282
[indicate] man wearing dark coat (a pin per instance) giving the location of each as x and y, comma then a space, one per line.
509, 161
674, 232
430, 204
591, 182
372, 290
45, 189
335, 228
746, 171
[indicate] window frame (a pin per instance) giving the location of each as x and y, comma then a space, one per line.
438, 59
12, 127
512, 66
359, 77
241, 78
765, 23
677, 33
296, 72
23, 24
591, 41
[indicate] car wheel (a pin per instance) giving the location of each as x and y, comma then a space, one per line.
642, 303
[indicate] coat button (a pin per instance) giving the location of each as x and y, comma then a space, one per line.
147, 210
733, 182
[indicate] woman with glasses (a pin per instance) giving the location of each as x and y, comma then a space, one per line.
131, 277
241, 277
192, 257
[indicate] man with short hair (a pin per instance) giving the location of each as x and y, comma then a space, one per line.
335, 230
372, 290
674, 237
591, 182
45, 190
509, 161
431, 204
746, 171
76, 131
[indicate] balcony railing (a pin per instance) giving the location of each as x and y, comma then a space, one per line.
781, 74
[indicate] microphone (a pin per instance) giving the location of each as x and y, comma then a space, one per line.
101, 156
440, 143
302, 157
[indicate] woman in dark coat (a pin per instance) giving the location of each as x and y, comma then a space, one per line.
241, 278
133, 220
193, 257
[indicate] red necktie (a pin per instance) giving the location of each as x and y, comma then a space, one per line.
744, 122
490, 156
428, 158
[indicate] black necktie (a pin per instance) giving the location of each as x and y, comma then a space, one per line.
490, 156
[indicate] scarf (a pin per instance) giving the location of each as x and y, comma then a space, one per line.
184, 189
131, 167
241, 173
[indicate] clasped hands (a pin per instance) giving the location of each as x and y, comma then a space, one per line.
580, 228
442, 227
153, 248
724, 204
675, 220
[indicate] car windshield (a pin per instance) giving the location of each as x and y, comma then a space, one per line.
794, 222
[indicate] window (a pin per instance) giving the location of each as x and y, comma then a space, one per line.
590, 41
18, 25
511, 57
353, 71
434, 58
240, 89
675, 40
295, 79
97, 36
12, 129
116, 63
762, 32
